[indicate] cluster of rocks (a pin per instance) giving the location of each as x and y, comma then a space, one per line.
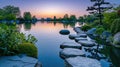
73, 53
107, 36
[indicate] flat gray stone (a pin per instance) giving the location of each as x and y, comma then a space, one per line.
78, 30
70, 45
73, 36
86, 43
82, 35
71, 52
80, 38
82, 62
16, 61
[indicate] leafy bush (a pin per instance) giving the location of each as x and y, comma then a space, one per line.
10, 38
28, 48
86, 27
10, 17
99, 30
115, 27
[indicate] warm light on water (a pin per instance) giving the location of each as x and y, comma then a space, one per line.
49, 41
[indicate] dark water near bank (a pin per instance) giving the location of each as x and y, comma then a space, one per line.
49, 41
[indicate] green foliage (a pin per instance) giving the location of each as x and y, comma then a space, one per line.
31, 39
81, 19
9, 13
115, 27
109, 17
100, 30
11, 10
10, 38
27, 16
72, 18
86, 27
28, 48
1, 17
10, 17
95, 23
66, 17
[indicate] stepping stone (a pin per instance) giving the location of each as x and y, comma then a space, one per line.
73, 36
82, 35
71, 52
78, 30
82, 62
80, 38
86, 43
70, 45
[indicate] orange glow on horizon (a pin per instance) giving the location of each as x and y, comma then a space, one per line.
59, 15
58, 11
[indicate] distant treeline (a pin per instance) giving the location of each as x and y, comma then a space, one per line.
12, 13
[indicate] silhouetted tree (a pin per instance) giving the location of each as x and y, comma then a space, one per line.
54, 18
72, 18
98, 8
11, 10
27, 16
66, 17
34, 19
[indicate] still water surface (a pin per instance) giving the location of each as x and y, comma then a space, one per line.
49, 40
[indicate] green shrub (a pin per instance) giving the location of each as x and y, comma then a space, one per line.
28, 48
86, 27
99, 30
115, 27
10, 38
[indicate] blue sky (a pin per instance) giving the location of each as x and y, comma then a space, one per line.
50, 8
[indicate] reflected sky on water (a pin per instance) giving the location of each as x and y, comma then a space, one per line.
49, 40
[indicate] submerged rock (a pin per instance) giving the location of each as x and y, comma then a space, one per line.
70, 45
64, 32
86, 43
71, 52
116, 41
82, 62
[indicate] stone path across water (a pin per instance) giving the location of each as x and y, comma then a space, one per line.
76, 57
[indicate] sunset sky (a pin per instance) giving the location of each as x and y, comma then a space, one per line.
50, 8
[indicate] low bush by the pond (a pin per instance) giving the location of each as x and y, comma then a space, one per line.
10, 39
28, 49
86, 27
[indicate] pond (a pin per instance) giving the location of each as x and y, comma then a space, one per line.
49, 40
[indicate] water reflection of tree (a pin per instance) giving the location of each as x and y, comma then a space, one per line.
54, 23
71, 24
113, 54
115, 57
27, 26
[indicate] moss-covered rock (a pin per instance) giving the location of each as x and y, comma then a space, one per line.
28, 49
